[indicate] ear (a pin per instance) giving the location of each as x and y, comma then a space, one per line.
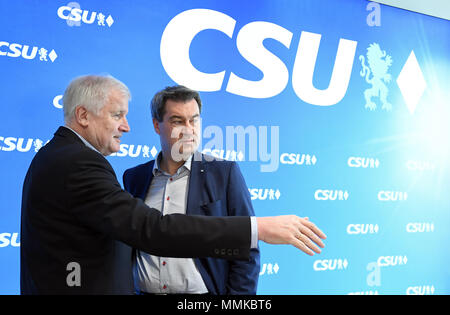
81, 115
156, 126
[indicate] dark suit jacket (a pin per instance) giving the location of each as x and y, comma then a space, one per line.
216, 188
73, 210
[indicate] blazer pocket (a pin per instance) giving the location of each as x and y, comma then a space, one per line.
216, 208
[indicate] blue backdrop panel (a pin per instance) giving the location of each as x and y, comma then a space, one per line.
335, 110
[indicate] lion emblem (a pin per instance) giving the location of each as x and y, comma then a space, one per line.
38, 144
379, 64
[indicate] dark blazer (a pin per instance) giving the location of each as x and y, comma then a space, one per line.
73, 210
216, 188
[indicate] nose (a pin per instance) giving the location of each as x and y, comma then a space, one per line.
124, 127
187, 132
189, 127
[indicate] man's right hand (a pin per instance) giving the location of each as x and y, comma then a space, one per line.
292, 230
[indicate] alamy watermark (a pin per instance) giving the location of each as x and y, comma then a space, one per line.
374, 17
73, 278
249, 143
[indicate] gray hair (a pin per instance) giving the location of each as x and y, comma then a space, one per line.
91, 91
178, 93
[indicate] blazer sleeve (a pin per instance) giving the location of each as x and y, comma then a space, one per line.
95, 198
243, 275
127, 181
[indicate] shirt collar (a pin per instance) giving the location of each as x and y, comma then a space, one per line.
157, 168
82, 139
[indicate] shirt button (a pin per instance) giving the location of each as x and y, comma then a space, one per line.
171, 179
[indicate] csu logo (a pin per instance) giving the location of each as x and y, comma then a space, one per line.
74, 15
15, 50
20, 144
229, 155
333, 195
390, 261
330, 264
424, 227
420, 290
384, 195
135, 151
298, 159
412, 165
184, 27
363, 162
263, 194
362, 229
7, 239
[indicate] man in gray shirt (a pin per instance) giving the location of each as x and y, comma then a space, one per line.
193, 184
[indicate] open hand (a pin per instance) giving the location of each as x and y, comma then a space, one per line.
292, 230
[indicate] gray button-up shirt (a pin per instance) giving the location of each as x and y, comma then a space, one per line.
154, 274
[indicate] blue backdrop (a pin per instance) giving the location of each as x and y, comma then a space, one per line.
335, 110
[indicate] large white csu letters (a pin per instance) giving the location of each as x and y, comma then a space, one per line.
181, 30
250, 44
176, 40
305, 62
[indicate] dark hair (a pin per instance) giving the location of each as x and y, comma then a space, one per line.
178, 93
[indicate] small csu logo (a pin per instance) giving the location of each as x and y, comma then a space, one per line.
386, 195
421, 290
298, 159
264, 193
10, 144
356, 229
16, 50
332, 195
420, 227
131, 150
363, 162
391, 261
330, 264
74, 16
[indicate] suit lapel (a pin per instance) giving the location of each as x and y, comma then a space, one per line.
142, 188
